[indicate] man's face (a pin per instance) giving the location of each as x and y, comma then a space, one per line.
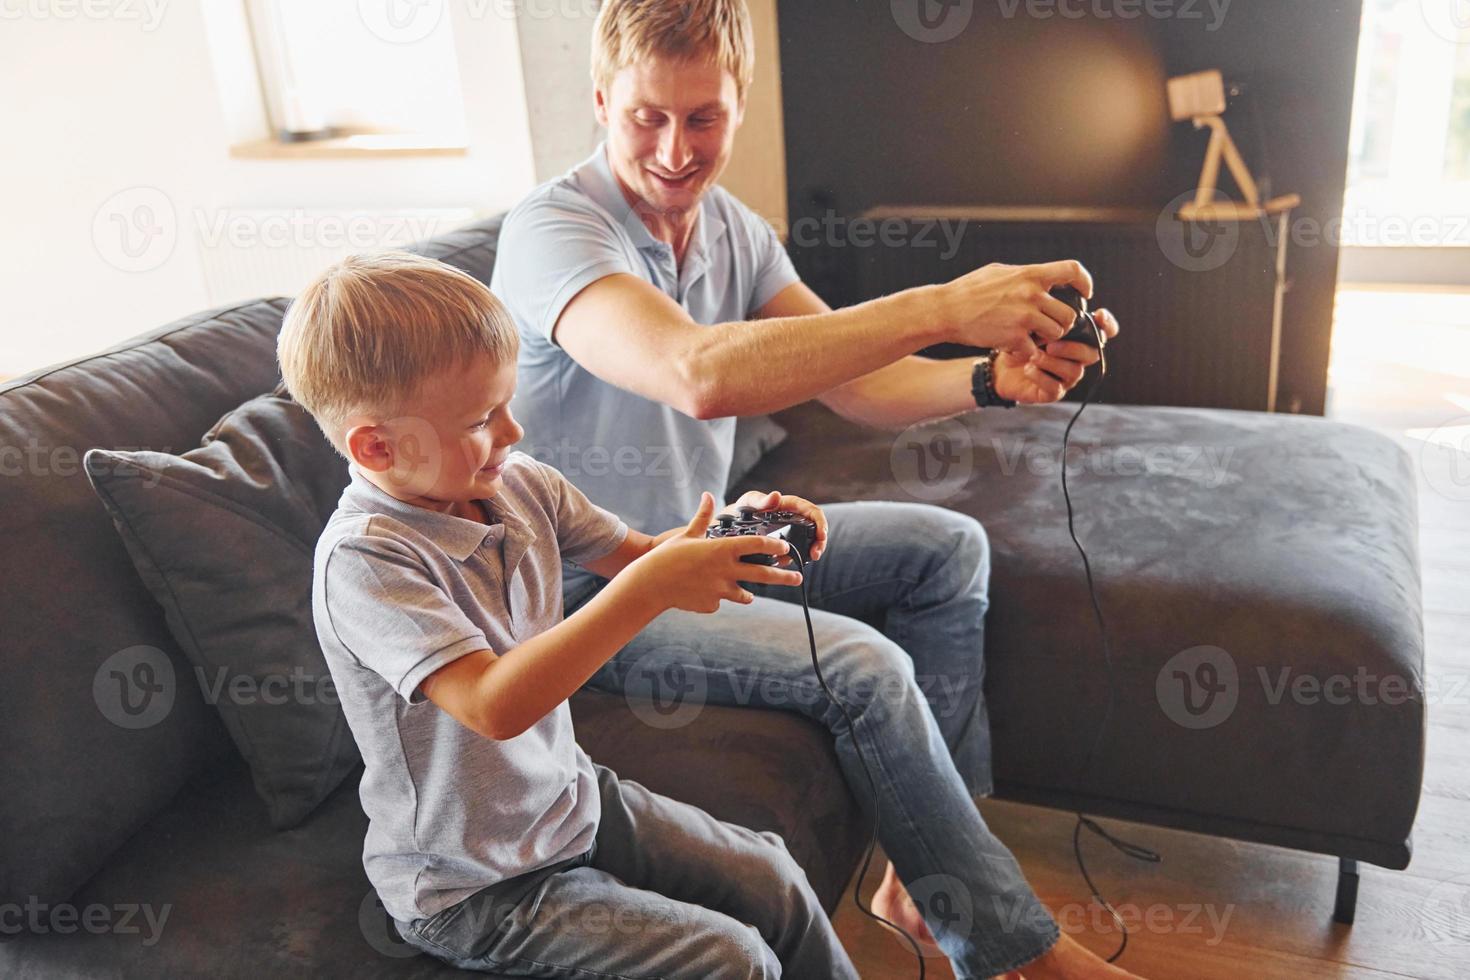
448, 446
670, 129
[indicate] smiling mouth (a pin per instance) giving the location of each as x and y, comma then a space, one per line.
675, 181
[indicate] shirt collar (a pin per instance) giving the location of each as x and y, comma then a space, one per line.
595, 175
457, 537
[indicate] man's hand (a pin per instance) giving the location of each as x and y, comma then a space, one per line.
785, 501
1047, 375
1009, 308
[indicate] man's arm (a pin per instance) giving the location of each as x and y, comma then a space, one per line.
619, 326
918, 389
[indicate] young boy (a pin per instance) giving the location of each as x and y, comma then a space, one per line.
494, 842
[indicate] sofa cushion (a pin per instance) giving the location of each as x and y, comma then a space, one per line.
223, 536
213, 891
1230, 550
75, 782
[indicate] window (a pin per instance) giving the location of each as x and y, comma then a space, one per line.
1409, 168
344, 67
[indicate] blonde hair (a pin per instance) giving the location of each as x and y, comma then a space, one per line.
369, 331
631, 31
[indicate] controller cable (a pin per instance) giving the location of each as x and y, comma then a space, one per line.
1132, 850
857, 898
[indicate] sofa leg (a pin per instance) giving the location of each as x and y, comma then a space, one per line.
1347, 891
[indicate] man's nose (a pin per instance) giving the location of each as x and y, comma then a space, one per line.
674, 151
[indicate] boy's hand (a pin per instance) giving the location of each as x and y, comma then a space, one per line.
784, 501
688, 571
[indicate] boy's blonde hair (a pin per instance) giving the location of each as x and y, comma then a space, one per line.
369, 331
632, 31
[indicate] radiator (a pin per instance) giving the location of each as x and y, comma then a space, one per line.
246, 253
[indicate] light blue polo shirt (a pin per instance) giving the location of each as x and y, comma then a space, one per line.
639, 459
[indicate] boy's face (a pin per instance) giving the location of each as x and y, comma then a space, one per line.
449, 444
670, 129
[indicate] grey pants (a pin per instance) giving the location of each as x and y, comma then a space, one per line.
666, 891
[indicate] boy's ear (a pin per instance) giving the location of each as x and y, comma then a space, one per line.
369, 447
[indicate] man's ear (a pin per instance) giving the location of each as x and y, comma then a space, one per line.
599, 106
369, 447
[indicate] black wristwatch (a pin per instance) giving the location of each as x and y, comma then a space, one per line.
982, 384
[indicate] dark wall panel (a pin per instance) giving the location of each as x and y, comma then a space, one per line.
1018, 109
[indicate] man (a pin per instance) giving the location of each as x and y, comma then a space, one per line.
654, 309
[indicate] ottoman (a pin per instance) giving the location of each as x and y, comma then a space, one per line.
1259, 580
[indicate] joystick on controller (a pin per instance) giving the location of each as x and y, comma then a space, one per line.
798, 532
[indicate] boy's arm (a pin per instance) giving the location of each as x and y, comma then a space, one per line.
502, 696
634, 546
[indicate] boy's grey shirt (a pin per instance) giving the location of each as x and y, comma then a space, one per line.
400, 591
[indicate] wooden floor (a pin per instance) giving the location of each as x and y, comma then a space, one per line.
1221, 909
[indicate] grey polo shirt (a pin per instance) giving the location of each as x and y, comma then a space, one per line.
400, 591
641, 459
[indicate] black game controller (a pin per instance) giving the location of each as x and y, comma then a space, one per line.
1086, 329
797, 531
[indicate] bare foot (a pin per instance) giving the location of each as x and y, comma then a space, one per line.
1070, 960
892, 902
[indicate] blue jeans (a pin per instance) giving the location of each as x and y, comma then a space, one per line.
898, 605
665, 891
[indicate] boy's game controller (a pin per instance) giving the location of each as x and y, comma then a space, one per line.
798, 532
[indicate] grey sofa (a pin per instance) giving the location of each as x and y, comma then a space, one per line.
1297, 551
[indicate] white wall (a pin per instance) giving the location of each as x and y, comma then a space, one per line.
95, 108
123, 121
